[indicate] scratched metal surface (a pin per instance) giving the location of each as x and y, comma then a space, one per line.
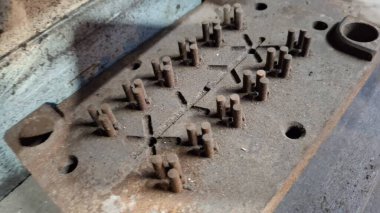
252, 162
343, 176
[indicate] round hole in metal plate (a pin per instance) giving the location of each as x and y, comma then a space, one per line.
360, 32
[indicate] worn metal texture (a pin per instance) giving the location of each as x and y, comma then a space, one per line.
67, 55
343, 175
253, 167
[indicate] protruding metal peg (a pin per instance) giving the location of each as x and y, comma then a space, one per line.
138, 93
227, 14
259, 74
191, 130
106, 109
194, 54
218, 35
221, 106
247, 81
237, 116
182, 49
286, 66
127, 87
206, 128
158, 165
206, 31
271, 53
283, 51
306, 45
301, 37
169, 76
238, 18
234, 99
138, 83
263, 89
291, 38
209, 145
156, 69
174, 163
175, 181
107, 125
94, 113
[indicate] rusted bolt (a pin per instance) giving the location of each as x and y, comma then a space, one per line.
138, 83
156, 69
238, 18
271, 53
158, 165
209, 145
140, 98
173, 162
218, 35
169, 76
191, 130
263, 89
247, 81
227, 14
166, 60
286, 66
127, 87
182, 49
306, 45
234, 99
301, 37
291, 38
175, 181
206, 128
206, 31
237, 116
194, 54
221, 106
283, 51
107, 125
259, 74
94, 113
106, 109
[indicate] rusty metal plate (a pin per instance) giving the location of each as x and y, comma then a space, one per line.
244, 169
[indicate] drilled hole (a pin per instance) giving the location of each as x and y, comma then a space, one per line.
295, 131
136, 65
71, 165
261, 6
35, 131
360, 32
320, 25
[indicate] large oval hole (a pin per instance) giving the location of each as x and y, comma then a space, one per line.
36, 130
360, 32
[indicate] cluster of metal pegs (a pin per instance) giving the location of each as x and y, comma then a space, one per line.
261, 85
204, 142
212, 33
302, 46
235, 109
164, 73
283, 65
104, 118
136, 93
233, 16
169, 167
189, 51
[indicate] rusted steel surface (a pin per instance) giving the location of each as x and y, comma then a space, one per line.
226, 141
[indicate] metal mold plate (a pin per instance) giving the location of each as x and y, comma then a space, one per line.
255, 165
